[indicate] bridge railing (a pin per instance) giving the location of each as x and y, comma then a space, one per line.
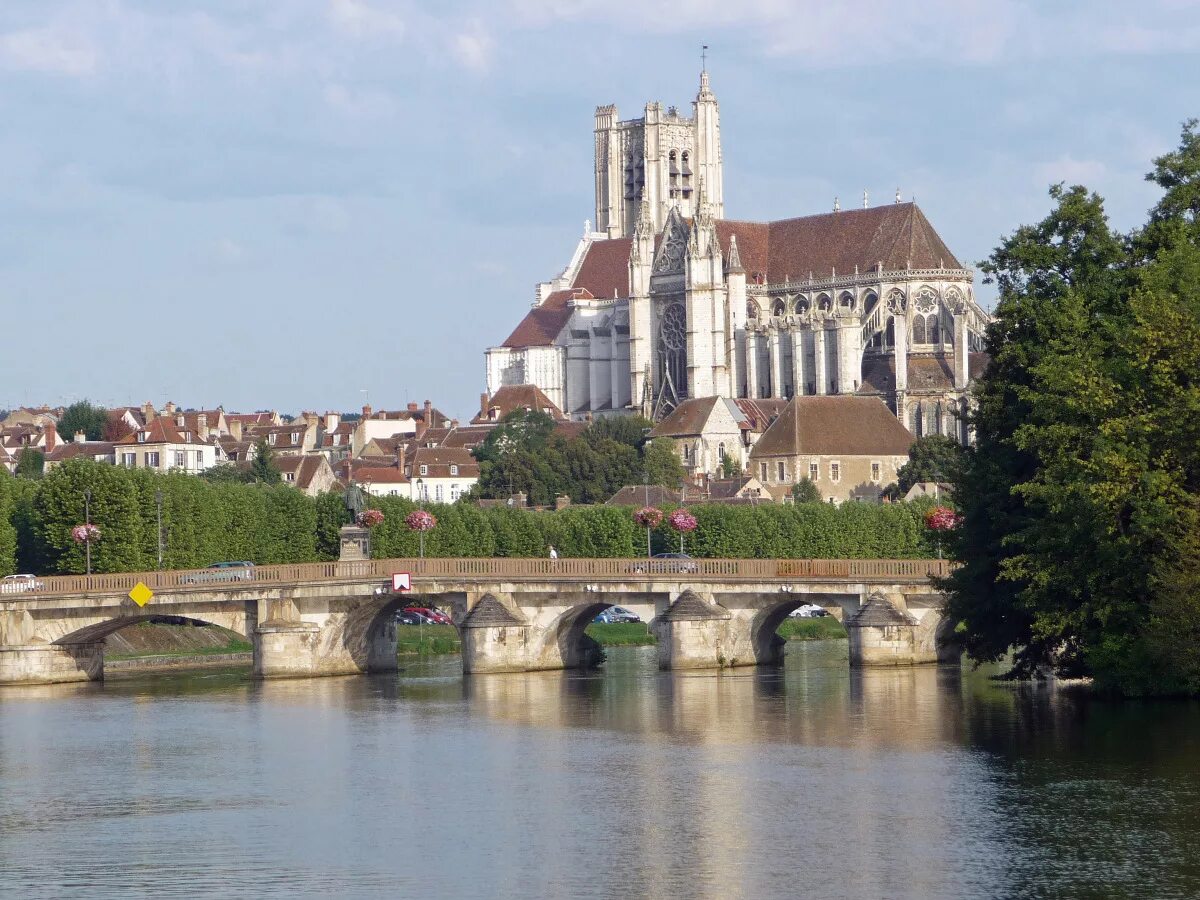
498, 569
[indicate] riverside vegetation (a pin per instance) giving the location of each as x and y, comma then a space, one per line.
203, 522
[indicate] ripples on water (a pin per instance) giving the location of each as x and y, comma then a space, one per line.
809, 780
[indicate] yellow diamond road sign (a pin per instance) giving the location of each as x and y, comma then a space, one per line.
141, 594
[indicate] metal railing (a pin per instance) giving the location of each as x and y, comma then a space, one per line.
490, 569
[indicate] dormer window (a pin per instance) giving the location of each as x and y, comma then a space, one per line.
271, 438
424, 470
187, 437
454, 470
142, 437
295, 438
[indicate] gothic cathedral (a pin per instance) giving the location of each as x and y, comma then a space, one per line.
667, 299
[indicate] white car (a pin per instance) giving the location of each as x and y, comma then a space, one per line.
17, 584
808, 611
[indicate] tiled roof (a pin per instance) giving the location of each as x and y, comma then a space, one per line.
160, 431
897, 235
604, 271
543, 323
637, 494
759, 414
84, 449
834, 426
467, 436
438, 460
304, 468
512, 397
688, 418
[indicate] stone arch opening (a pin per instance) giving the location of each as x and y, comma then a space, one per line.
372, 631
765, 631
569, 632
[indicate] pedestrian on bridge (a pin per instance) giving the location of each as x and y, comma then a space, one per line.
553, 552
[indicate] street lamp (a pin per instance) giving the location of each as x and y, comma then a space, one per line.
646, 481
87, 520
421, 505
158, 498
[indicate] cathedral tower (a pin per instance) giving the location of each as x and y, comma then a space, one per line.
662, 158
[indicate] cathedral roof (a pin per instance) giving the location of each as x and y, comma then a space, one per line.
543, 323
837, 425
897, 235
604, 271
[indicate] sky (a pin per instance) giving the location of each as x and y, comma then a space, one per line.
314, 204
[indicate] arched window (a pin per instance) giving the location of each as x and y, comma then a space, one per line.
777, 308
824, 303
721, 451
685, 172
846, 301
673, 173
801, 305
751, 309
870, 300
926, 313
889, 336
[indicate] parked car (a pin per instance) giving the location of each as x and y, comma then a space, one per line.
808, 611
435, 616
18, 584
237, 570
616, 614
404, 617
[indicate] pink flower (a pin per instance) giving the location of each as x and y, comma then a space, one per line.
420, 520
682, 520
942, 518
648, 517
85, 533
369, 518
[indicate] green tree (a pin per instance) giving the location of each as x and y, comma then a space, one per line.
59, 506
804, 491
730, 468
662, 464
262, 467
930, 458
83, 416
31, 463
8, 533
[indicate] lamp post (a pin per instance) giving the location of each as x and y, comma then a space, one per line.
158, 498
87, 520
646, 481
421, 505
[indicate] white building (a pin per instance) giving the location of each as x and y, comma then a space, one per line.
159, 445
668, 300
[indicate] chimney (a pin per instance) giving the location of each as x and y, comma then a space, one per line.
454, 423
401, 452
412, 407
148, 412
484, 399
202, 426
179, 420
80, 437
428, 413
366, 412
332, 420
51, 436
170, 407
235, 429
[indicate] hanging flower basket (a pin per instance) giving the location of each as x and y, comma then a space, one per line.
648, 517
420, 520
942, 518
682, 521
369, 518
85, 534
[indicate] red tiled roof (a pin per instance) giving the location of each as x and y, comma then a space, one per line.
159, 431
438, 460
897, 235
605, 269
760, 413
512, 397
543, 323
688, 418
835, 425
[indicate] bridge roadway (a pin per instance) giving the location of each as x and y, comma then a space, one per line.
512, 614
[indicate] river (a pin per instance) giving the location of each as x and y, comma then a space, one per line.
807, 780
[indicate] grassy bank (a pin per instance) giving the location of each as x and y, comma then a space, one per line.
235, 645
620, 634
823, 629
426, 640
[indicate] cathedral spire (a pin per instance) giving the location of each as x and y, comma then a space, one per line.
735, 259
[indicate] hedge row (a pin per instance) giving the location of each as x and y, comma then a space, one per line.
203, 523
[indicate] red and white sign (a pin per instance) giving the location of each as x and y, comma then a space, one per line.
401, 582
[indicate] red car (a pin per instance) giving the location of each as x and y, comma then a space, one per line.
434, 615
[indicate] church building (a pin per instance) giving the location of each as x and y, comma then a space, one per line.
667, 300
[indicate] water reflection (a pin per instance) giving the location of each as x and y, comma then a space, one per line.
810, 779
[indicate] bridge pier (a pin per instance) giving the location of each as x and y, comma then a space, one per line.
51, 663
695, 633
286, 649
884, 633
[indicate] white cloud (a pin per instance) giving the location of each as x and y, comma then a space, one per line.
472, 46
361, 20
49, 50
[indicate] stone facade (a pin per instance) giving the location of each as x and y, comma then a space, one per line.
668, 300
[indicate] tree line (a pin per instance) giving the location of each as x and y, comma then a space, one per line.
1081, 538
204, 522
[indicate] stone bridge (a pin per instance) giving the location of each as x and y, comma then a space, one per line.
513, 615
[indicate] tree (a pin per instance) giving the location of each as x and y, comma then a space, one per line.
730, 468
262, 467
931, 458
83, 416
228, 473
112, 501
662, 463
31, 463
8, 533
804, 491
